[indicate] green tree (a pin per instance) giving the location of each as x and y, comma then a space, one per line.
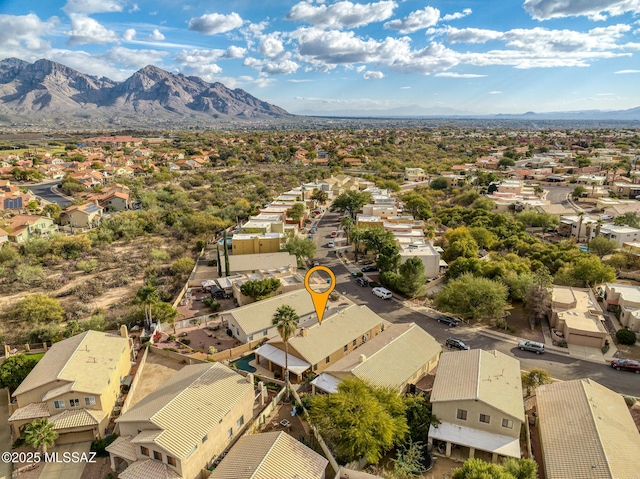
601, 246
148, 295
506, 162
629, 219
413, 277
347, 223
70, 247
588, 269
483, 237
164, 313
183, 266
350, 202
472, 297
625, 336
37, 308
389, 259
439, 183
40, 434
360, 420
320, 196
578, 191
417, 205
483, 203
296, 212
302, 249
409, 460
259, 289
462, 248
534, 378
419, 416
286, 321
510, 469
356, 236
375, 239
14, 369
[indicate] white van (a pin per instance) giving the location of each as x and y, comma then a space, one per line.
382, 293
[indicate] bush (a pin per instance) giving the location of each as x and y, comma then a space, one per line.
211, 303
625, 336
186, 341
630, 400
98, 446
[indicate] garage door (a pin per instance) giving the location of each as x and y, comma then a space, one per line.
582, 340
75, 437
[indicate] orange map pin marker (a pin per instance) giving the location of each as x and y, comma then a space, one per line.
320, 299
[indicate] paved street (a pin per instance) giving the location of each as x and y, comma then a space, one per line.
560, 366
43, 190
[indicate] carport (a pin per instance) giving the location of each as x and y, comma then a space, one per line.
68, 470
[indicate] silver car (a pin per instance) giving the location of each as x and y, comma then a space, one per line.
532, 346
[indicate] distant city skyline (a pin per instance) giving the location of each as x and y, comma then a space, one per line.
335, 57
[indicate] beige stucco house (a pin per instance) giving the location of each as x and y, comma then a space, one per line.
75, 385
477, 396
627, 298
270, 455
83, 216
576, 317
400, 355
586, 431
21, 228
316, 347
178, 429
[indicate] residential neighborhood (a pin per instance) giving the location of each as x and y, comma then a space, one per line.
482, 308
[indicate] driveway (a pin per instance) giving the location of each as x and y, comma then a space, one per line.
48, 192
5, 435
62, 470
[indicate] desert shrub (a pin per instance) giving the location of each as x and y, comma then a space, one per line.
630, 400
87, 266
98, 446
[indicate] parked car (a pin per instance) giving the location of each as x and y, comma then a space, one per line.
309, 237
382, 293
330, 244
334, 234
532, 346
369, 269
455, 343
317, 212
626, 365
362, 282
316, 263
449, 320
313, 230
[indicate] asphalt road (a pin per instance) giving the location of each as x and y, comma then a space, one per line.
44, 191
559, 366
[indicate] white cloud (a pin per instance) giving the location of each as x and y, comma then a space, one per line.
156, 35
626, 72
134, 8
271, 45
214, 23
283, 66
376, 75
129, 34
235, 52
455, 16
405, 88
134, 59
459, 75
17, 32
299, 81
87, 30
342, 14
88, 7
495, 92
415, 21
466, 35
593, 9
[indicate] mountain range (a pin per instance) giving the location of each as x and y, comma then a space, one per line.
48, 91
51, 95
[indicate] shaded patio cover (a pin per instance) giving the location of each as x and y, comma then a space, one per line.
484, 441
273, 354
326, 382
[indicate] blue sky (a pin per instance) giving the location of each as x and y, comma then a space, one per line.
329, 57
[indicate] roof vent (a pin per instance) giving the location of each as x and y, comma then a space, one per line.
362, 358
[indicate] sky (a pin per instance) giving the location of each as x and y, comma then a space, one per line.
333, 57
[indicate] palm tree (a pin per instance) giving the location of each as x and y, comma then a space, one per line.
347, 223
286, 321
40, 434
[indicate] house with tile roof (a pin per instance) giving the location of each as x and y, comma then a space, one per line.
400, 355
315, 347
178, 429
82, 216
21, 228
586, 431
477, 396
75, 385
271, 455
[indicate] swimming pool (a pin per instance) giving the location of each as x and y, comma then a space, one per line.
243, 363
